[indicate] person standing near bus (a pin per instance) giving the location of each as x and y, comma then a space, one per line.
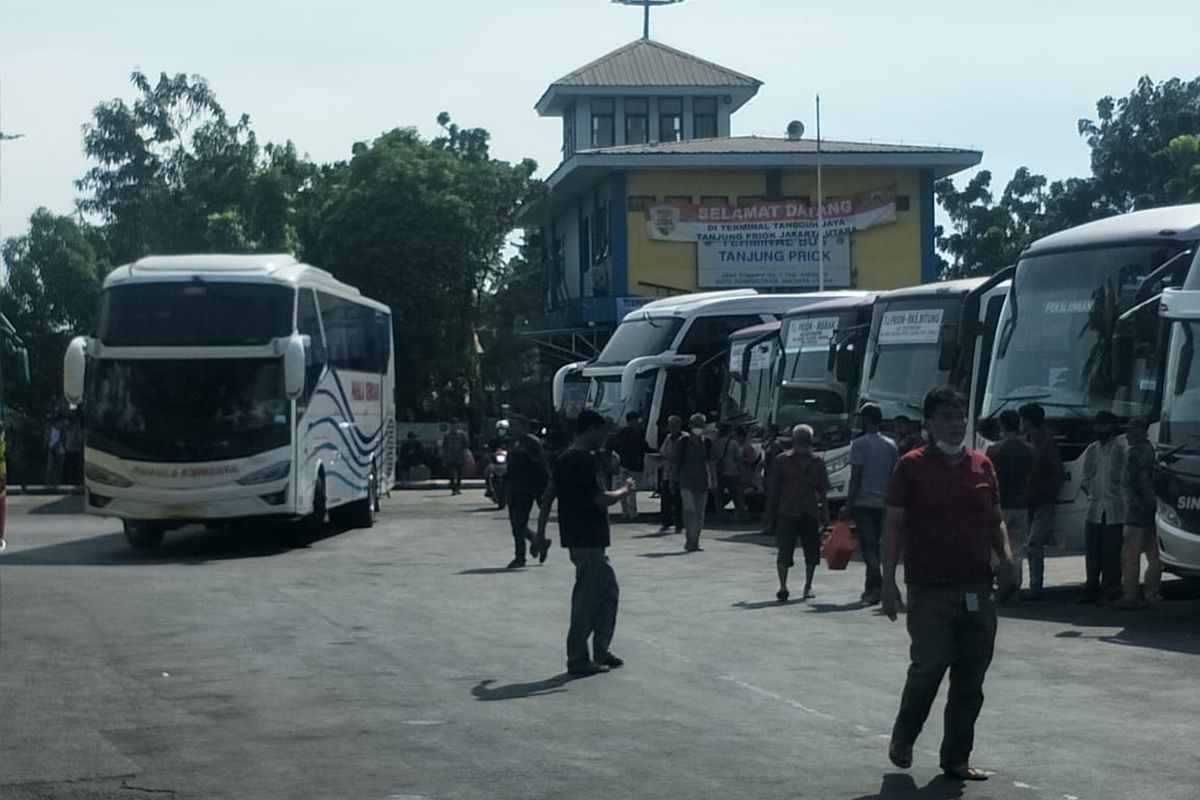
583, 527
797, 508
696, 473
728, 450
527, 477
1103, 470
873, 456
1139, 534
630, 447
1041, 491
1013, 459
943, 513
671, 503
454, 454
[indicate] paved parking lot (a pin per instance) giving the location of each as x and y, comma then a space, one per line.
404, 662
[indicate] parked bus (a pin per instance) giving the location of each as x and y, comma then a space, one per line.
14, 361
932, 335
823, 347
1080, 332
751, 375
220, 388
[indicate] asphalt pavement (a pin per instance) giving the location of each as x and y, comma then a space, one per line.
405, 662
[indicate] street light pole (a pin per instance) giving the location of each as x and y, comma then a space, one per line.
820, 209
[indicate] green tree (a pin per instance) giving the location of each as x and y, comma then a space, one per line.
421, 226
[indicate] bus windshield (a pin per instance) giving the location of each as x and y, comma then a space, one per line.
194, 313
749, 401
811, 393
1181, 396
903, 352
186, 411
1060, 349
604, 396
641, 337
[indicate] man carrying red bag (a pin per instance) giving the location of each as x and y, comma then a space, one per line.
797, 507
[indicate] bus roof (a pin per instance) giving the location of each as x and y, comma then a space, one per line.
267, 268
962, 286
1171, 223
733, 302
755, 331
859, 300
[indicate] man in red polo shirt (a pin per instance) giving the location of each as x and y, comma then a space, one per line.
943, 513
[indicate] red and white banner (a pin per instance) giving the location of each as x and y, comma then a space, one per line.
768, 223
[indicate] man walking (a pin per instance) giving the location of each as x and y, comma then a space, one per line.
1013, 459
908, 435
454, 453
671, 504
797, 508
526, 481
1103, 471
630, 446
693, 456
1041, 492
583, 528
872, 459
728, 450
943, 512
1140, 535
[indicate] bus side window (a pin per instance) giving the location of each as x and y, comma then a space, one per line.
308, 323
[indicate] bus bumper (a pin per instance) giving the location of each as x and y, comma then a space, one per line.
1180, 549
191, 505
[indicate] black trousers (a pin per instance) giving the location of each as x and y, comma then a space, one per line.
593, 605
1102, 559
946, 635
520, 506
671, 504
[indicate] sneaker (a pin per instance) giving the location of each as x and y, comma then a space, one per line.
611, 661
516, 563
587, 668
809, 594
665, 529
870, 598
693, 548
782, 595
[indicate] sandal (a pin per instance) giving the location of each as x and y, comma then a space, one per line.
900, 754
963, 772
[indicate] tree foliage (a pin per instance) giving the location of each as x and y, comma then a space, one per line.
1144, 153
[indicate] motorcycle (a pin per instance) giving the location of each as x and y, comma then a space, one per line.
495, 475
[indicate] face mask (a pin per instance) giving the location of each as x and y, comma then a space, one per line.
952, 449
697, 432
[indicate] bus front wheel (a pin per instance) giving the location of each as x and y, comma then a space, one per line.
143, 535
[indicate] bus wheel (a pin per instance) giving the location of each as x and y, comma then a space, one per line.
314, 522
361, 513
143, 535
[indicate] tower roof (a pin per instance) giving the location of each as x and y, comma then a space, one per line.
647, 64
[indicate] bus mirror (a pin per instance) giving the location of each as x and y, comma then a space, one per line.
947, 355
293, 367
845, 364
74, 370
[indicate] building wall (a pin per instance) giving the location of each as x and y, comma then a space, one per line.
884, 257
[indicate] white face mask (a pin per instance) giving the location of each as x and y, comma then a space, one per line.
697, 431
952, 449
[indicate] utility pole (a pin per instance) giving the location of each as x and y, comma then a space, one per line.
820, 209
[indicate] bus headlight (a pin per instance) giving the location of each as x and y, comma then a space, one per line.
107, 477
272, 473
1169, 514
838, 463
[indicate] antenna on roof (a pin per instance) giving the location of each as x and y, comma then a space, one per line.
645, 4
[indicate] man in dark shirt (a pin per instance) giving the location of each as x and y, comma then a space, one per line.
1041, 493
943, 512
1013, 459
797, 507
527, 478
583, 527
630, 446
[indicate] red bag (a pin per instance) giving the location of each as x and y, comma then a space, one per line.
838, 548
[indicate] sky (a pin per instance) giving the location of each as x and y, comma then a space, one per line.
1010, 79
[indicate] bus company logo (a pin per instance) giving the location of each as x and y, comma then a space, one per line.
364, 391
1189, 503
185, 472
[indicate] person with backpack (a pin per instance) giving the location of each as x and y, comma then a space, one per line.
696, 475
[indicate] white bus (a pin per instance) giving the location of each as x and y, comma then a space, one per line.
1080, 332
932, 335
219, 388
667, 357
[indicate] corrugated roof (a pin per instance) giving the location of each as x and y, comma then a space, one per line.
750, 145
646, 62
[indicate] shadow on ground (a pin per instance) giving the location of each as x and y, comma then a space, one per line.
191, 545
68, 504
486, 691
899, 786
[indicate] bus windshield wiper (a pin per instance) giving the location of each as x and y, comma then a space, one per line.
1188, 446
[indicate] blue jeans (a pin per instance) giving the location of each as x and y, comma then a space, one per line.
593, 605
520, 506
868, 523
